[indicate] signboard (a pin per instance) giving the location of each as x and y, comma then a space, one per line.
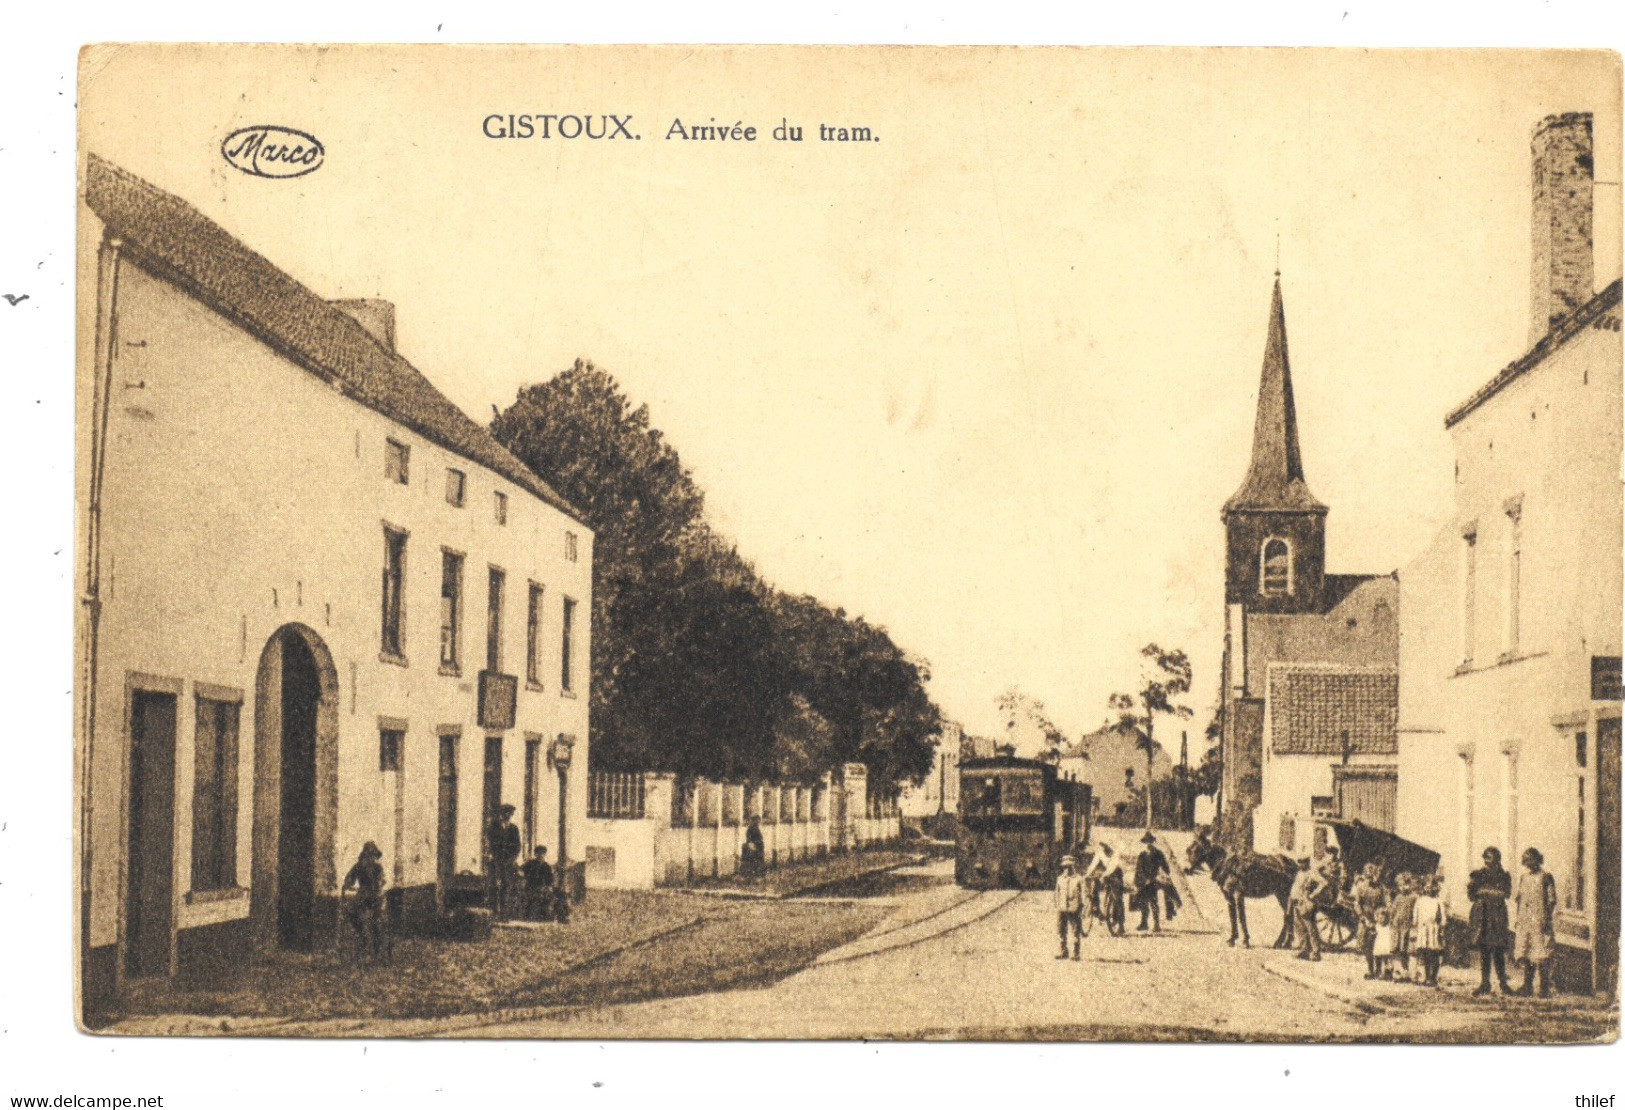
498, 695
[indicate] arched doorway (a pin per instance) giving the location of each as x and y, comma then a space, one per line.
295, 790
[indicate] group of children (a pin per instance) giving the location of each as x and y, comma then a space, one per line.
1401, 925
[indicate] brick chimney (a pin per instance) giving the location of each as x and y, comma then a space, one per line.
1561, 278
378, 317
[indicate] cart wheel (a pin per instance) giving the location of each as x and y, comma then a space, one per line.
1335, 932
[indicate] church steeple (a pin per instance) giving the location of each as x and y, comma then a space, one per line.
1274, 479
1275, 528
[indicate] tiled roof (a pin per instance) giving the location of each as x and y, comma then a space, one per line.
1594, 313
1310, 709
178, 243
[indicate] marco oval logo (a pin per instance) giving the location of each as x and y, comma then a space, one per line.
271, 151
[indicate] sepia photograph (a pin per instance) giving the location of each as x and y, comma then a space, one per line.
595, 543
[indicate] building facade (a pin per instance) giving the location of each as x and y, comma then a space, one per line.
938, 792
1510, 631
1112, 761
322, 607
1309, 661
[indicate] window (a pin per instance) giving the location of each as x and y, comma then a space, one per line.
390, 742
1577, 877
1469, 589
570, 547
451, 611
533, 637
493, 619
394, 576
397, 461
1514, 573
566, 681
214, 796
456, 484
1509, 787
499, 503
1275, 578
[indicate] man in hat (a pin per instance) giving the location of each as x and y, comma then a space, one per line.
502, 847
1302, 903
1149, 872
1069, 903
366, 913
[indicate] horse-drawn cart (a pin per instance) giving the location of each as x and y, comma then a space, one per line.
1338, 922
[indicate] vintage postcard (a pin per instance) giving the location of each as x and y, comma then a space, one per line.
840, 543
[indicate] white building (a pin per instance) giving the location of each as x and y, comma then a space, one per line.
322, 607
1509, 722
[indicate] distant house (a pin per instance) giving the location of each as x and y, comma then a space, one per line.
938, 792
1112, 761
1509, 726
322, 607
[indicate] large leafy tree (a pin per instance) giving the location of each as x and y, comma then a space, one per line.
698, 666
1164, 681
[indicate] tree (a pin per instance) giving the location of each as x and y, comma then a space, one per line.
698, 666
1165, 678
1025, 713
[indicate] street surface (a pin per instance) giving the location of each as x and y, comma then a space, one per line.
950, 963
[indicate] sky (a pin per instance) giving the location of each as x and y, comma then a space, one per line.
985, 381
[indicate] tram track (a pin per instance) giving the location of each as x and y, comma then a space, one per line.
984, 904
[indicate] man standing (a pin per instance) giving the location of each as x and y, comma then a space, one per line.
538, 876
1069, 902
1149, 870
366, 913
1303, 902
503, 846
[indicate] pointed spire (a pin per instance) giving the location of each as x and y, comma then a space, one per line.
1275, 477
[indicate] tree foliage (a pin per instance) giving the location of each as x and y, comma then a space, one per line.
1165, 680
1025, 714
698, 665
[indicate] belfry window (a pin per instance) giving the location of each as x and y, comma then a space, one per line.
1275, 577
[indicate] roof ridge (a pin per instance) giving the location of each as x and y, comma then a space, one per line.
180, 244
1567, 328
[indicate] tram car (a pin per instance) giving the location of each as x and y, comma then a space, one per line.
1017, 818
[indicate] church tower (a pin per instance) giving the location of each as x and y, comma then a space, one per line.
1275, 530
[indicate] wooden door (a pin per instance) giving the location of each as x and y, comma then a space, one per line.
149, 900
1607, 856
446, 819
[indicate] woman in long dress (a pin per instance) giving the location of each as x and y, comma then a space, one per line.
1489, 888
1536, 902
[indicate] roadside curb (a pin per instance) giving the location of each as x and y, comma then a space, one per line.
1310, 982
743, 894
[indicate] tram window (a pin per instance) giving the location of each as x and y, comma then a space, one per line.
1023, 794
982, 797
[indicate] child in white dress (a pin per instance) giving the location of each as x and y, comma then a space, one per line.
1427, 930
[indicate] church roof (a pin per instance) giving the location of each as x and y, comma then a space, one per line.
1274, 481
178, 243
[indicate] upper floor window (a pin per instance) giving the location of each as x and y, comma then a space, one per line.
570, 547
499, 506
456, 484
451, 610
397, 461
1514, 573
493, 619
1469, 594
394, 579
566, 678
1275, 568
533, 637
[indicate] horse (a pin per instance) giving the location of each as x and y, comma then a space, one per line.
1243, 875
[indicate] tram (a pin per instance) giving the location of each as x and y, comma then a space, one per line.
1017, 818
